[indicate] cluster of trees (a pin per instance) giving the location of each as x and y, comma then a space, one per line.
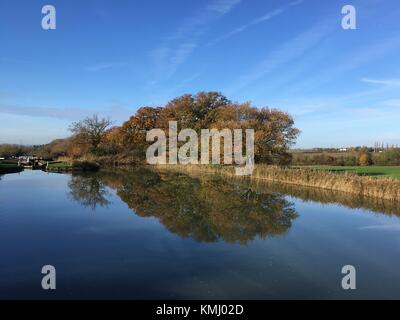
96, 137
274, 129
274, 134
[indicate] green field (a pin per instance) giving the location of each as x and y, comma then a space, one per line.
372, 171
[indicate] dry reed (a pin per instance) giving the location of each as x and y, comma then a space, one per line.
384, 188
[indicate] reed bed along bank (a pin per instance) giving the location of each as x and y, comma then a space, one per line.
385, 188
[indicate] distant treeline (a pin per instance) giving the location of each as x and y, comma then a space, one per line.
357, 157
53, 150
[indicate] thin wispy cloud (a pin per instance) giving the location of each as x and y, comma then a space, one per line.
167, 60
72, 113
285, 53
7, 94
383, 82
265, 17
358, 103
392, 103
48, 112
197, 24
277, 11
382, 227
178, 46
353, 60
166, 94
222, 6
104, 66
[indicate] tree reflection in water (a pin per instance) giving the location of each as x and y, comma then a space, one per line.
89, 190
206, 209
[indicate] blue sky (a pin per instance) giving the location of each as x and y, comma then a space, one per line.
112, 57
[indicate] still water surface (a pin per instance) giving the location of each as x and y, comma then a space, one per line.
160, 235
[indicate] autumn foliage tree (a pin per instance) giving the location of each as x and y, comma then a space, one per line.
133, 131
364, 157
111, 142
197, 112
88, 133
274, 129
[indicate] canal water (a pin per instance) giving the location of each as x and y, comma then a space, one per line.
144, 234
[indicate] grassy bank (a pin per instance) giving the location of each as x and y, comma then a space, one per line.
75, 165
372, 171
365, 186
7, 166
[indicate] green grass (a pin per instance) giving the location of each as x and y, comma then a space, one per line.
61, 165
82, 165
8, 166
372, 171
14, 162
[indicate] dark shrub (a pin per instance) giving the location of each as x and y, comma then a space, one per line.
85, 165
